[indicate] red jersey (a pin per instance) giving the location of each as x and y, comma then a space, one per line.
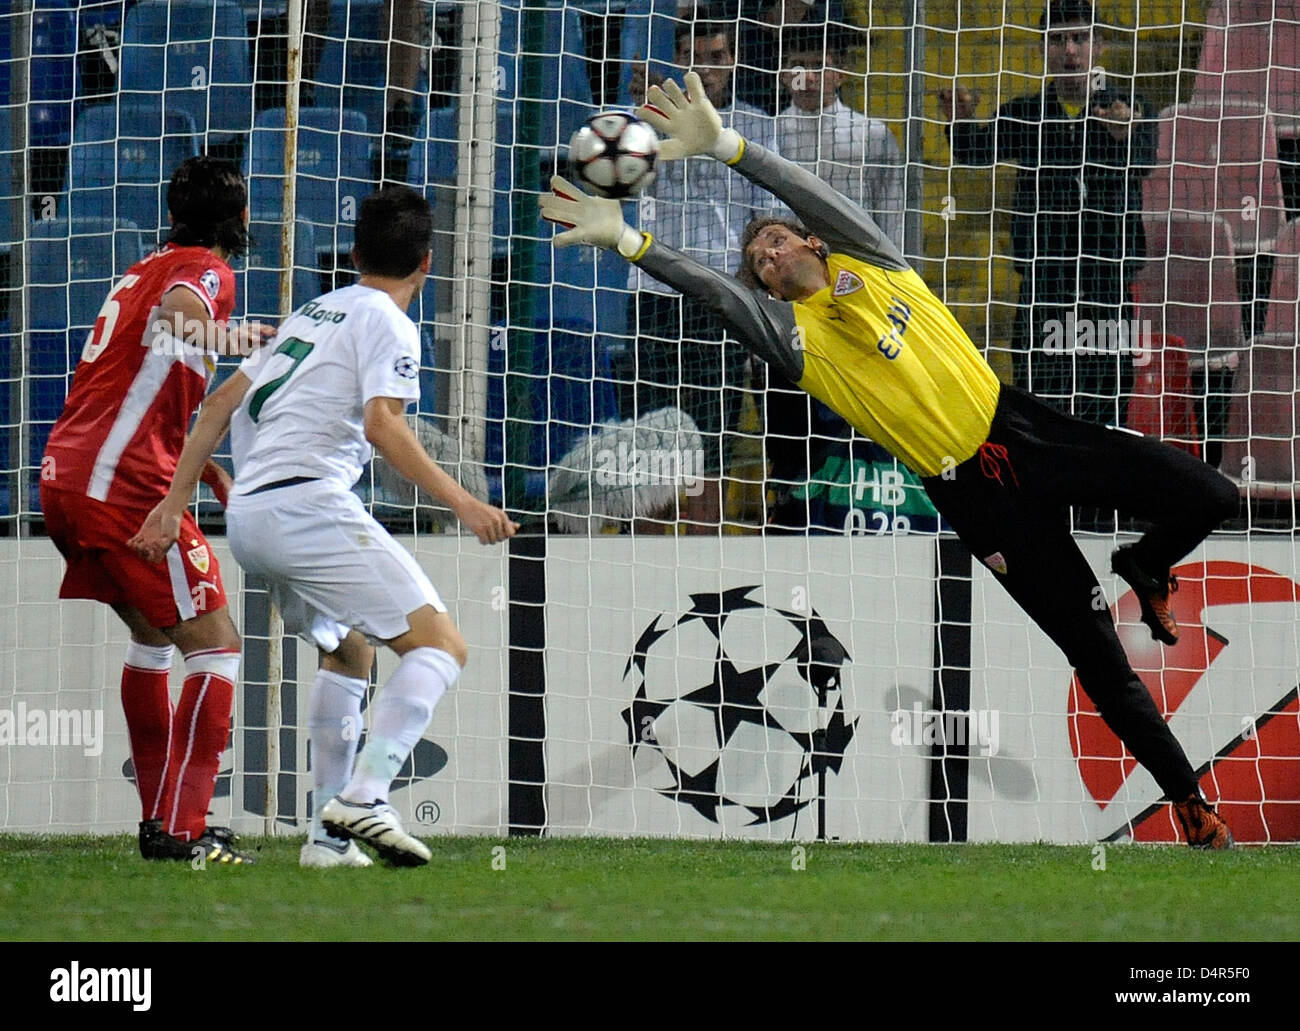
135, 390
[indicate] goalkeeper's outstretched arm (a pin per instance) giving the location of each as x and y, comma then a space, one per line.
694, 127
763, 324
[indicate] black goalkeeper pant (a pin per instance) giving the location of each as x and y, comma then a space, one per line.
1009, 504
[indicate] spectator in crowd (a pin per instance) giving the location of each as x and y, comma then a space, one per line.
762, 23
682, 357
856, 155
1082, 148
859, 157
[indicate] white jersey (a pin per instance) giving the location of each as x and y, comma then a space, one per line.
304, 414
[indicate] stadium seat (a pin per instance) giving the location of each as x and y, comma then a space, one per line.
432, 170
1162, 405
1188, 286
353, 70
560, 68
333, 156
1282, 315
1219, 157
1263, 447
533, 138
8, 155
1264, 422
1251, 51
122, 157
433, 157
53, 73
580, 288
70, 271
649, 28
8, 429
195, 54
258, 285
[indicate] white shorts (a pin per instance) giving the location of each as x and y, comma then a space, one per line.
329, 566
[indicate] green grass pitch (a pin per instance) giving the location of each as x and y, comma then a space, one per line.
91, 889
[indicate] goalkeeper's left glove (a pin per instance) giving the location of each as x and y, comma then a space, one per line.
593, 220
689, 120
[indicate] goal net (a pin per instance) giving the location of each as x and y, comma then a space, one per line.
728, 613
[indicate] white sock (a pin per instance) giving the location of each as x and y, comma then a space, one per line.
398, 718
334, 718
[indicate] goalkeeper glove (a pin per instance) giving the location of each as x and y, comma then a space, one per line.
690, 122
593, 220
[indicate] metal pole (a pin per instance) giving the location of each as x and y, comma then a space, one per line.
289, 205
20, 34
914, 70
472, 260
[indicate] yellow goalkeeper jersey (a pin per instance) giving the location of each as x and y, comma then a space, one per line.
875, 344
885, 353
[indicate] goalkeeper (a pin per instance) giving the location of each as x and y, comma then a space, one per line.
836, 309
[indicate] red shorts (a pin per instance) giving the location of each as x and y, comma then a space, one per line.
92, 537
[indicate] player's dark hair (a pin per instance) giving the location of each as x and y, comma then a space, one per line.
705, 25
829, 39
1066, 12
207, 198
746, 273
394, 232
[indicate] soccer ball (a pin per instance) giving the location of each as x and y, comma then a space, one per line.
614, 154
737, 707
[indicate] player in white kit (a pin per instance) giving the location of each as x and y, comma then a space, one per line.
304, 414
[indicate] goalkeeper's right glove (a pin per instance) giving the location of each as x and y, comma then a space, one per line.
593, 220
690, 122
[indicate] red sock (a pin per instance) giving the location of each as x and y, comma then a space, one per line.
202, 726
147, 703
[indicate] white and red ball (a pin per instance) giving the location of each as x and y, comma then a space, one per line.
614, 154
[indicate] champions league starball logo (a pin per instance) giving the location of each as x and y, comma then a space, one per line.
738, 709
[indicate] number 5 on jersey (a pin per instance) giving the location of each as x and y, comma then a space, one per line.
102, 331
297, 350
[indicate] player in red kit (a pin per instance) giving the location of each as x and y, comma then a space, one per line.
110, 458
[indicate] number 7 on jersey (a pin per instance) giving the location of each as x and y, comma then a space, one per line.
295, 348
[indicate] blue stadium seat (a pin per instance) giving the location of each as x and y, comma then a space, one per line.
571, 389
122, 158
433, 161
194, 53
563, 72
7, 157
649, 27
7, 427
70, 271
258, 286
53, 73
433, 155
579, 288
433, 164
353, 70
333, 171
